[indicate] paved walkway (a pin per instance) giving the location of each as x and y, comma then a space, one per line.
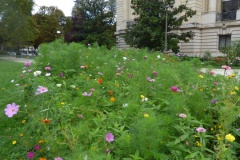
14, 59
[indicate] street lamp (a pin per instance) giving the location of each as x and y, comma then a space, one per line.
166, 23
62, 22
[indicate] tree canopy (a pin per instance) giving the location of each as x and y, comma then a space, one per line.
16, 23
148, 29
47, 24
93, 22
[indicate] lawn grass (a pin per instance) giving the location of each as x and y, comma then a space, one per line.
8, 71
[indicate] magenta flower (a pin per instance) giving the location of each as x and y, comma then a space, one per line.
109, 137
47, 68
174, 88
201, 129
214, 101
30, 155
27, 64
155, 73
11, 109
41, 90
107, 151
60, 74
37, 147
182, 115
58, 158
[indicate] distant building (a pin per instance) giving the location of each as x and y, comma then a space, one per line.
216, 24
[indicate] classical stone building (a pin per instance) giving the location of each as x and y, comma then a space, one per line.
216, 24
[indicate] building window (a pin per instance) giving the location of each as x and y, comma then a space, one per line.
224, 41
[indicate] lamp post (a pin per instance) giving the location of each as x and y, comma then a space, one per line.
166, 23
62, 22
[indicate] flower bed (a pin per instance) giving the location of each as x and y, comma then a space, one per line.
91, 103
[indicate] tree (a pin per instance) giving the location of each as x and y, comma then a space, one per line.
16, 23
148, 29
47, 24
93, 22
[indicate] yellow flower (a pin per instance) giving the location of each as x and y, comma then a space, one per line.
236, 88
195, 136
41, 141
200, 76
212, 129
14, 142
230, 137
146, 115
232, 92
142, 96
112, 99
24, 121
21, 135
198, 144
219, 138
117, 85
201, 89
62, 103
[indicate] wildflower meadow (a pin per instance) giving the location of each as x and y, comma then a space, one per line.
90, 103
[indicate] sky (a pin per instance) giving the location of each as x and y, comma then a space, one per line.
64, 5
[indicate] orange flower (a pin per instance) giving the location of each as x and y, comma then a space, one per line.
112, 99
46, 121
100, 80
42, 158
110, 92
86, 66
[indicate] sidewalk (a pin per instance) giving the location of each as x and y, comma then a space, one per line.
14, 59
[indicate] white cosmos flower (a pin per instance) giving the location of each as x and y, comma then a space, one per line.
158, 56
72, 86
124, 58
59, 85
12, 80
36, 73
47, 74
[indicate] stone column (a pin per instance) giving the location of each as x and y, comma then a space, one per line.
212, 5
210, 17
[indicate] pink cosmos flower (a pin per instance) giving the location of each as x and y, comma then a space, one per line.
47, 68
201, 129
87, 94
30, 155
109, 137
174, 88
182, 115
226, 67
41, 90
211, 72
27, 64
11, 109
58, 158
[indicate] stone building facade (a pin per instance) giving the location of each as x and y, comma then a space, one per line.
216, 24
